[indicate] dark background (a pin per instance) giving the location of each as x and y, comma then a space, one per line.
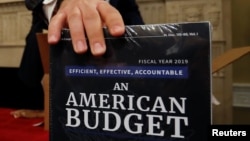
14, 94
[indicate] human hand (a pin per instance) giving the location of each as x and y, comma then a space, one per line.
26, 113
86, 16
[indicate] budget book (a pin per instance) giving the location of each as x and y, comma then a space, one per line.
152, 84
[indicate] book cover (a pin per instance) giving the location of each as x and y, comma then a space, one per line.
152, 84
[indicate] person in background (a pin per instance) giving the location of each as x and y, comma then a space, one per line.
80, 16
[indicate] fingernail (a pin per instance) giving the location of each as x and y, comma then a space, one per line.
52, 39
98, 49
116, 29
80, 46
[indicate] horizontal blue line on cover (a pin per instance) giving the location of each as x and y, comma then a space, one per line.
128, 71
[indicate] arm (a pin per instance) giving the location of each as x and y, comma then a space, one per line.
86, 16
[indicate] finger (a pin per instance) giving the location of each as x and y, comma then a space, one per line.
16, 114
76, 27
93, 26
112, 18
54, 29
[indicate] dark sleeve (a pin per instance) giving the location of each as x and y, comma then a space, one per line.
130, 12
32, 4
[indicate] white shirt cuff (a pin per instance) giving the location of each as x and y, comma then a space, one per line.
48, 8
